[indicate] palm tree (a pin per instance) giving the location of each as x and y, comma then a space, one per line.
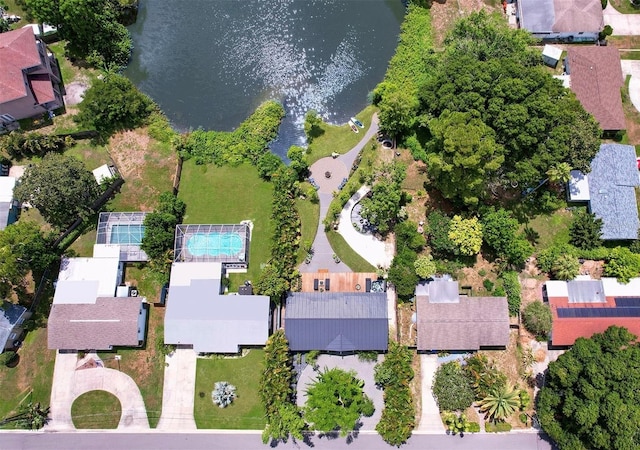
500, 403
560, 173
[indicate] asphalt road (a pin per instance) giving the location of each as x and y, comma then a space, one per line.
208, 440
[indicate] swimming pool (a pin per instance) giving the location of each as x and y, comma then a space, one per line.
214, 244
130, 234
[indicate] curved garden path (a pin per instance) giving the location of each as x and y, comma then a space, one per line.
339, 168
69, 384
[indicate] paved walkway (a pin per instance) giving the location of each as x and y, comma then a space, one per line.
632, 67
69, 384
375, 251
364, 370
179, 391
430, 421
339, 169
622, 24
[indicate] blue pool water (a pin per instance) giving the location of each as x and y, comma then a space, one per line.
131, 234
214, 244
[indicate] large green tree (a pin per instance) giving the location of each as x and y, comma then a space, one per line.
112, 104
591, 397
381, 208
160, 227
585, 231
90, 27
336, 402
463, 155
60, 187
22, 248
501, 232
497, 120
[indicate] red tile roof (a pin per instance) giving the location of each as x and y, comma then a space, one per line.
566, 330
18, 51
42, 88
596, 79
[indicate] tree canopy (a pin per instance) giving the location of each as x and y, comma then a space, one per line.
591, 399
60, 187
160, 227
382, 207
494, 118
336, 401
452, 388
112, 104
90, 27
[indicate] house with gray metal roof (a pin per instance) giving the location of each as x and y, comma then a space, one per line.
609, 190
449, 321
12, 317
561, 20
337, 322
199, 315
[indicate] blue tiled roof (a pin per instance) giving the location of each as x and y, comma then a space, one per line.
612, 182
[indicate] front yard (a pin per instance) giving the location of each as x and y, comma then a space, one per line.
244, 373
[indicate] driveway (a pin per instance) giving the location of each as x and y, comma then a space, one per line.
179, 391
69, 384
622, 24
364, 372
375, 251
430, 421
632, 67
339, 169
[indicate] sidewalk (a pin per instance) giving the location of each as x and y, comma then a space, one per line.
179, 391
430, 421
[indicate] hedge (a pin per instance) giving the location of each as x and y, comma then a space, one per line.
512, 288
499, 427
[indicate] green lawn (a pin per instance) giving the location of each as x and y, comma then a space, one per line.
96, 410
552, 229
31, 379
15, 10
338, 139
228, 195
624, 7
348, 256
244, 373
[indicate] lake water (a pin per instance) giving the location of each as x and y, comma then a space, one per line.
210, 63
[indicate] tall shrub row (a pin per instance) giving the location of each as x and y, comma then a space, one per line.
20, 145
398, 416
247, 143
512, 288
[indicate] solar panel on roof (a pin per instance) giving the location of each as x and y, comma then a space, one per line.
565, 313
631, 302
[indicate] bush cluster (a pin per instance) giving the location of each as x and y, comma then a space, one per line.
19, 145
402, 272
398, 416
511, 286
247, 143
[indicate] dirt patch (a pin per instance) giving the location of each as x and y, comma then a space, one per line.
595, 269
408, 335
531, 282
444, 14
75, 91
472, 276
128, 149
416, 387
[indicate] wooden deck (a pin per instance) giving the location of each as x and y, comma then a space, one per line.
339, 282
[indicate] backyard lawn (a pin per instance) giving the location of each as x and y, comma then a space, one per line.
31, 379
338, 138
228, 195
349, 256
96, 410
551, 229
244, 373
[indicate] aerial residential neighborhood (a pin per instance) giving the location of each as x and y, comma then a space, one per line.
405, 223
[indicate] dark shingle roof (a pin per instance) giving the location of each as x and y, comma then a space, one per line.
612, 182
108, 323
337, 322
468, 324
596, 79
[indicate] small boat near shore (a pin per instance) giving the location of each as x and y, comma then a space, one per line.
353, 127
357, 122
